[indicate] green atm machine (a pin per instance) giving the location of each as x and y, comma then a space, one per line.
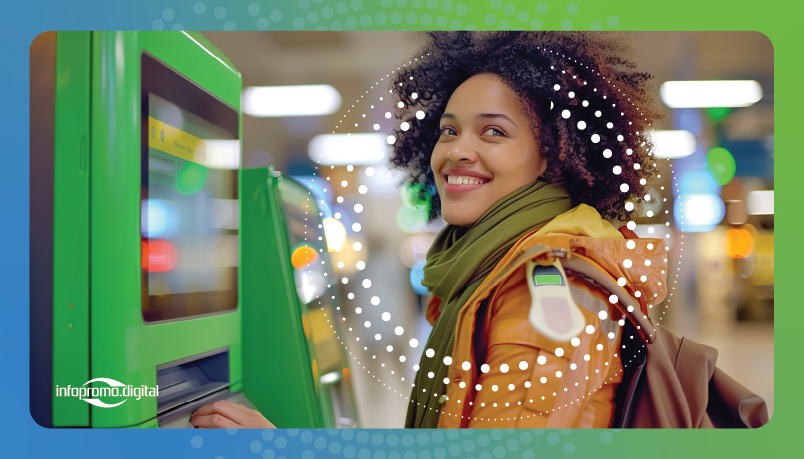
291, 306
138, 245
162, 276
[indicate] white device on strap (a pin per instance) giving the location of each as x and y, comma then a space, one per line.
553, 313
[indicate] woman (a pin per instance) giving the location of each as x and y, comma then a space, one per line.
532, 149
532, 135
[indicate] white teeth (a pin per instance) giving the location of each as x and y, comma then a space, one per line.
464, 180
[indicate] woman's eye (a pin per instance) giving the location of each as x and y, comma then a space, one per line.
494, 132
448, 131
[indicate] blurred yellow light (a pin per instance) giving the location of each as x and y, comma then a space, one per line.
335, 234
739, 243
303, 257
763, 271
348, 256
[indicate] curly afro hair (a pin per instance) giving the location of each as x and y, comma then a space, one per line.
588, 105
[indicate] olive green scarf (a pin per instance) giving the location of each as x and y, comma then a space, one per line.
458, 261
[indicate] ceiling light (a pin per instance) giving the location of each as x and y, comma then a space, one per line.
672, 144
699, 94
760, 203
312, 100
343, 149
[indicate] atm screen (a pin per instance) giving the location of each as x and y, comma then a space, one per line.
189, 209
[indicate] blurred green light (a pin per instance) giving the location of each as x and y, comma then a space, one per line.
718, 113
411, 197
720, 164
191, 178
411, 221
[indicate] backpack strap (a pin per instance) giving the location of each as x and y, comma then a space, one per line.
627, 233
480, 337
633, 376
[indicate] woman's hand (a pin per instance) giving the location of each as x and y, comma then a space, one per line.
228, 415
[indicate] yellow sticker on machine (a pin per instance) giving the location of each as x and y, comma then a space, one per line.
174, 141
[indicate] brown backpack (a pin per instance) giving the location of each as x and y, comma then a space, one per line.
673, 382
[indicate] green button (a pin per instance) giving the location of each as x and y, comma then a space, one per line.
543, 279
442, 399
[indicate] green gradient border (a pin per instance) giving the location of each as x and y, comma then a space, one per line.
776, 20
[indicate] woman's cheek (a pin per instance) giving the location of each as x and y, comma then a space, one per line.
527, 161
526, 164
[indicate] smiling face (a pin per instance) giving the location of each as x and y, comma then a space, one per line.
486, 149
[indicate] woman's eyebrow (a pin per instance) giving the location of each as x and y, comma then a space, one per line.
496, 115
484, 116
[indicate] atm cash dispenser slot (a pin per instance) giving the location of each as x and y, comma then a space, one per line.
187, 384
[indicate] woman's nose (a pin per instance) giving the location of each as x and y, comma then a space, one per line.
462, 152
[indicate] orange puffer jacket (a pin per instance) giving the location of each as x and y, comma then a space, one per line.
529, 381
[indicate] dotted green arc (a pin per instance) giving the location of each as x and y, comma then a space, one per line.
311, 15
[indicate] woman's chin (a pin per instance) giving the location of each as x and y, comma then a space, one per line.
457, 218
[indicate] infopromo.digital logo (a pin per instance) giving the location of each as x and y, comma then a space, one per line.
116, 389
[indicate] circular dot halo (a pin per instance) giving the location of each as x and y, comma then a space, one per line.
446, 14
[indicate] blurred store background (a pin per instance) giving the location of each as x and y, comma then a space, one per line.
718, 138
